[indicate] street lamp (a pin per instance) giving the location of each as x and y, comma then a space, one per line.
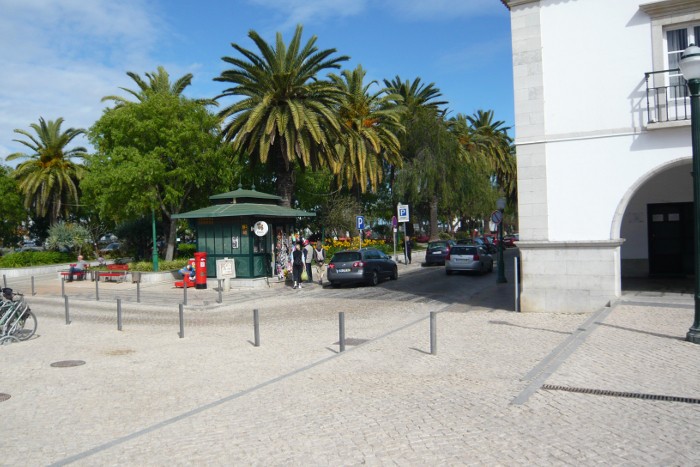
501, 205
690, 68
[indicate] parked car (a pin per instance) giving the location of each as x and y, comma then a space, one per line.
366, 265
437, 251
468, 258
111, 248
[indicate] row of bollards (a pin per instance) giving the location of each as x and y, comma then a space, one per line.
256, 325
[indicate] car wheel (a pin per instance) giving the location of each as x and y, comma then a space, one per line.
395, 274
374, 278
333, 284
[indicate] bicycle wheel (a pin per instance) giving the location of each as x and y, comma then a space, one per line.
27, 326
6, 340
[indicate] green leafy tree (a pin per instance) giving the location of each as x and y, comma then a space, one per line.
48, 178
287, 115
370, 123
13, 213
162, 153
64, 235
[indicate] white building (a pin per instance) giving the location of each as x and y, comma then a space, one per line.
602, 131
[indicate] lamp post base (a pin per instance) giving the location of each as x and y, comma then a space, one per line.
693, 335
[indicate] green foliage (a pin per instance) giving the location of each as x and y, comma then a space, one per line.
338, 215
186, 250
463, 235
11, 208
48, 177
68, 235
35, 258
145, 266
445, 236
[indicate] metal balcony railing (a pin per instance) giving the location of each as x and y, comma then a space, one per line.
667, 96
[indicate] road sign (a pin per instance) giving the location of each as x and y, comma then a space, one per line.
496, 217
394, 221
360, 222
403, 212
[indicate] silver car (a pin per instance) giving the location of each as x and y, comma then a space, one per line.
468, 258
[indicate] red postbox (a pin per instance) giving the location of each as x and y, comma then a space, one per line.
200, 278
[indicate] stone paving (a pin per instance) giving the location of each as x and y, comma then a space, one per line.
145, 396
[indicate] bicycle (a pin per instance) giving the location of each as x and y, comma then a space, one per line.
17, 322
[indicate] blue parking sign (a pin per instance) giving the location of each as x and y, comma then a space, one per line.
360, 222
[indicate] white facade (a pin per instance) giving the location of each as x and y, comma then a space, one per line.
596, 156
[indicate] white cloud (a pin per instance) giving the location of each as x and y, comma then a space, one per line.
61, 58
307, 11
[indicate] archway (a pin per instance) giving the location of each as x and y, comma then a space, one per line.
655, 217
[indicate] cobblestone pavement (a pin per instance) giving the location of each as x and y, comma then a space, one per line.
503, 388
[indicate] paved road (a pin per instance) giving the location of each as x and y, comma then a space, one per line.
503, 389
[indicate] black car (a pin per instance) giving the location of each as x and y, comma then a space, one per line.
366, 265
437, 251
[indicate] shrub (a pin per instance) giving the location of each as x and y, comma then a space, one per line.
186, 250
445, 236
147, 266
35, 258
332, 246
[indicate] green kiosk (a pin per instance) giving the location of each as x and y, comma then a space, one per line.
249, 227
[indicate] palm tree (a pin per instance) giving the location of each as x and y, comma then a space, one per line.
415, 94
370, 124
287, 115
492, 141
49, 178
158, 83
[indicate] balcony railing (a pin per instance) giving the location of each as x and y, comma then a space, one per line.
667, 96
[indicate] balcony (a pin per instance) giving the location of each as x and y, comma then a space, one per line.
668, 102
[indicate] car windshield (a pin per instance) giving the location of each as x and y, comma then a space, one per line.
346, 256
437, 245
463, 250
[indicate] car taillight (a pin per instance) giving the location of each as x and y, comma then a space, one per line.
447, 258
475, 257
358, 264
331, 266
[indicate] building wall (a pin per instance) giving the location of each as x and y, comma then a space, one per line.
582, 145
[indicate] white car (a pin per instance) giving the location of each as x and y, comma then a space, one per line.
468, 258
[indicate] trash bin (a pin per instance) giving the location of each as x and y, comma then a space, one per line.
200, 260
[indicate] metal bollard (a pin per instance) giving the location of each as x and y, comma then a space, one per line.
119, 314
138, 291
433, 333
97, 286
65, 299
256, 327
63, 286
182, 320
517, 285
33, 292
341, 330
4, 281
184, 287
220, 297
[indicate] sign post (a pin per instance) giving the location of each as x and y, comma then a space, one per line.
360, 222
394, 224
402, 210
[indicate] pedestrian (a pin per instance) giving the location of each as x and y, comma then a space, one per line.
297, 264
319, 258
77, 268
308, 259
409, 247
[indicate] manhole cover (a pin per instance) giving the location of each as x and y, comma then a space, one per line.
4, 397
67, 363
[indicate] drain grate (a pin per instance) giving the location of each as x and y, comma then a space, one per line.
633, 395
67, 363
4, 397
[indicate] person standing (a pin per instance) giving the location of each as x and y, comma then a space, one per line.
77, 268
308, 258
297, 264
319, 257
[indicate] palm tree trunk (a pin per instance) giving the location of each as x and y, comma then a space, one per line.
284, 174
434, 218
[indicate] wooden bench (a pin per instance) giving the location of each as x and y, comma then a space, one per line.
79, 275
118, 271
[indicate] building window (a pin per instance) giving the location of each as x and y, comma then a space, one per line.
677, 40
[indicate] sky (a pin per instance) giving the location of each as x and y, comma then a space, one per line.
58, 58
